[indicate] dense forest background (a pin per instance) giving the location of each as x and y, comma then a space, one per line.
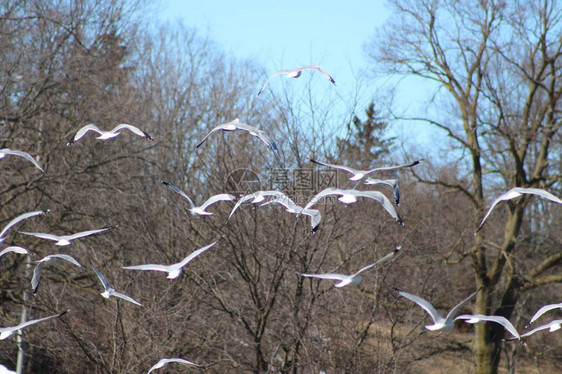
242, 306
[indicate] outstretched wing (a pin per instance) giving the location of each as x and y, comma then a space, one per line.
135, 130
435, 316
177, 190
543, 310
230, 126
217, 198
25, 155
80, 133
125, 297
340, 167
390, 168
18, 219
196, 253
102, 279
89, 232
457, 307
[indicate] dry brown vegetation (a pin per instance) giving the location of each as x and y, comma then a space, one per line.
242, 306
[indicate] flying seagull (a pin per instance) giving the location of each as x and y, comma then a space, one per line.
15, 249
237, 125
104, 135
296, 72
200, 209
292, 207
355, 278
173, 270
439, 323
48, 260
27, 156
165, 361
542, 311
63, 240
360, 174
478, 318
389, 182
18, 219
551, 326
350, 196
6, 332
516, 192
110, 291
256, 197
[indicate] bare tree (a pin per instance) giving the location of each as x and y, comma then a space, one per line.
497, 66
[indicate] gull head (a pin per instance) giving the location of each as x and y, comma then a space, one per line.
63, 242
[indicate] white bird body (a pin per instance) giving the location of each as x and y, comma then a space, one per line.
6, 332
165, 361
18, 219
237, 125
173, 270
355, 278
296, 72
479, 318
200, 210
110, 291
350, 196
516, 192
360, 174
439, 323
543, 310
15, 249
63, 240
104, 135
48, 260
27, 156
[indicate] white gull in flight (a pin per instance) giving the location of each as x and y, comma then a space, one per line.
110, 291
165, 361
516, 192
296, 72
201, 210
355, 278
173, 270
27, 156
439, 323
104, 135
237, 125
48, 260
360, 174
63, 240
350, 196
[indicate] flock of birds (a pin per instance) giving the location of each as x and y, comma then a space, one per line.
346, 196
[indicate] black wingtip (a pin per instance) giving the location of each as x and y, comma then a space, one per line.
396, 289
165, 183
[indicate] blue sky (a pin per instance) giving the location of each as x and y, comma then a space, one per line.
285, 34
